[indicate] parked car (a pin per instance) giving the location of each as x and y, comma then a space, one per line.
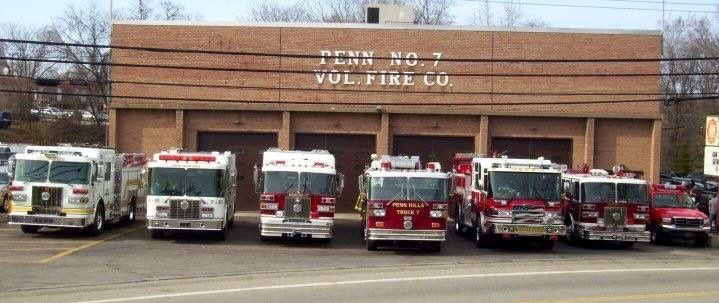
5, 120
52, 113
4, 181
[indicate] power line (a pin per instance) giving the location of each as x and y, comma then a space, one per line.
236, 101
602, 7
359, 56
373, 72
336, 90
663, 2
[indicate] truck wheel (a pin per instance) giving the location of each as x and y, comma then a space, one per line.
481, 240
29, 229
131, 214
655, 237
231, 222
98, 225
157, 233
459, 228
435, 246
372, 245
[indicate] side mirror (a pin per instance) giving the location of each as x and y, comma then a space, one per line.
340, 184
257, 179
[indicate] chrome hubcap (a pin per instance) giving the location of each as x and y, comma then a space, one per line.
131, 215
98, 221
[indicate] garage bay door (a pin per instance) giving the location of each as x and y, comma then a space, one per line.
557, 150
249, 148
432, 148
352, 153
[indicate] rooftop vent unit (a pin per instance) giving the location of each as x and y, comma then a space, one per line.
387, 13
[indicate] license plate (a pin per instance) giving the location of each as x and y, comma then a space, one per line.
530, 229
185, 225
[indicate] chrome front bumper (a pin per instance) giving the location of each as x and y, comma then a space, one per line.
528, 230
321, 230
406, 235
50, 221
615, 235
178, 224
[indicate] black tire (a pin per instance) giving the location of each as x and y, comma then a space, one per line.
480, 239
459, 228
372, 245
231, 222
264, 238
324, 240
547, 244
131, 217
655, 237
157, 234
435, 246
29, 229
626, 244
98, 225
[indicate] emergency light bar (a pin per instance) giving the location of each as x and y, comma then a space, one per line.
669, 186
197, 158
400, 162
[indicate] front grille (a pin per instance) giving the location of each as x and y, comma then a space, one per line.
297, 208
688, 223
615, 216
46, 200
527, 214
191, 209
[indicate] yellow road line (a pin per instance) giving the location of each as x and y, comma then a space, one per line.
88, 245
631, 298
34, 249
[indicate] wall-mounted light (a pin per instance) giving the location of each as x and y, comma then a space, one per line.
435, 124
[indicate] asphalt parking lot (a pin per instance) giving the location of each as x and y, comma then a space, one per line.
57, 258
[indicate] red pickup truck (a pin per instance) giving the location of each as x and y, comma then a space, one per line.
674, 215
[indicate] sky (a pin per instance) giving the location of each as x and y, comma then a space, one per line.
614, 15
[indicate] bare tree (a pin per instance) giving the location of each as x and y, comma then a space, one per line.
434, 12
683, 120
21, 72
483, 15
170, 10
86, 25
511, 15
347, 11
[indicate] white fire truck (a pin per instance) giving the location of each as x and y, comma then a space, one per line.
298, 191
191, 191
400, 202
606, 207
503, 198
75, 187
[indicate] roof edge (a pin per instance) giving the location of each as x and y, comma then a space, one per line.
398, 26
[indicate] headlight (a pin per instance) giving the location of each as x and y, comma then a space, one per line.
19, 197
379, 212
667, 220
436, 214
162, 212
504, 213
552, 217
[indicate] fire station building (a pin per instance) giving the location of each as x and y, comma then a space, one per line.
358, 89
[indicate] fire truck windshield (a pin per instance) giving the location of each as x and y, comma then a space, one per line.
633, 193
316, 183
69, 172
281, 181
388, 188
596, 192
428, 189
186, 182
524, 185
31, 170
673, 200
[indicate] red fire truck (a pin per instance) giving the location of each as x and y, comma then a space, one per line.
606, 207
505, 198
401, 203
673, 214
298, 190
